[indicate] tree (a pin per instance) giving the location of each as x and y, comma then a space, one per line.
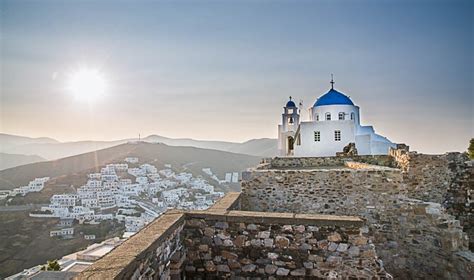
52, 266
470, 150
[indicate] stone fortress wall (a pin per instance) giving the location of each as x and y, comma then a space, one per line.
279, 246
390, 230
415, 235
224, 242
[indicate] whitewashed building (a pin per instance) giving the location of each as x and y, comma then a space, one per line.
64, 200
334, 123
62, 232
131, 159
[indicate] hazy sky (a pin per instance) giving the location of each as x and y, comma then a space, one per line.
224, 69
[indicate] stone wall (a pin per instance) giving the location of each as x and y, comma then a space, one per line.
410, 233
447, 179
428, 177
459, 199
340, 191
282, 245
419, 240
225, 243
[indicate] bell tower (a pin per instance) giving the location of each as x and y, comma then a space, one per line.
287, 129
290, 116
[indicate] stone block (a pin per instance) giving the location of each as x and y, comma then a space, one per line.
249, 268
282, 271
270, 269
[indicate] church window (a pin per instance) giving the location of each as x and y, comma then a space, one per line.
317, 136
341, 116
352, 116
317, 117
328, 116
337, 135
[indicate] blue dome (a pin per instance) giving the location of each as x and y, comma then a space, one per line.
333, 97
290, 104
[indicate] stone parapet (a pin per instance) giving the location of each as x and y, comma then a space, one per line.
230, 201
144, 255
277, 218
367, 166
226, 243
308, 162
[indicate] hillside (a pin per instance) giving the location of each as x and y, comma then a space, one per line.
194, 159
51, 149
12, 160
25, 241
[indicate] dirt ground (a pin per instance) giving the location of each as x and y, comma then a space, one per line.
25, 241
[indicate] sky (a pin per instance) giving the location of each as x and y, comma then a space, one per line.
223, 70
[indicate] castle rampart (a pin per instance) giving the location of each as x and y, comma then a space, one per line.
322, 218
226, 243
416, 238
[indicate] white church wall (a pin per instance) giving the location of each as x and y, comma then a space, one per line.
381, 147
327, 146
363, 144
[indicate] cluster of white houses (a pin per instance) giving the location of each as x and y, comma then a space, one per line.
134, 195
230, 177
33, 186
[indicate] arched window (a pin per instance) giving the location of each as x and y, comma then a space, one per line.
352, 116
341, 116
317, 117
328, 116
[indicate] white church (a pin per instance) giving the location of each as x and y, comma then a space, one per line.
334, 123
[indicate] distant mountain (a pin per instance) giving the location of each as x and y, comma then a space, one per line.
66, 149
264, 147
12, 160
52, 149
191, 158
215, 145
8, 141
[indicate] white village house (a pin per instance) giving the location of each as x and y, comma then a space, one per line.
334, 123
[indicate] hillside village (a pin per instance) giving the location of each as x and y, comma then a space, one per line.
36, 185
127, 192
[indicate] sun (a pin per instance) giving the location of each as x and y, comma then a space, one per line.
87, 84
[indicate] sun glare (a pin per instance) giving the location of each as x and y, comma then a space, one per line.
87, 84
